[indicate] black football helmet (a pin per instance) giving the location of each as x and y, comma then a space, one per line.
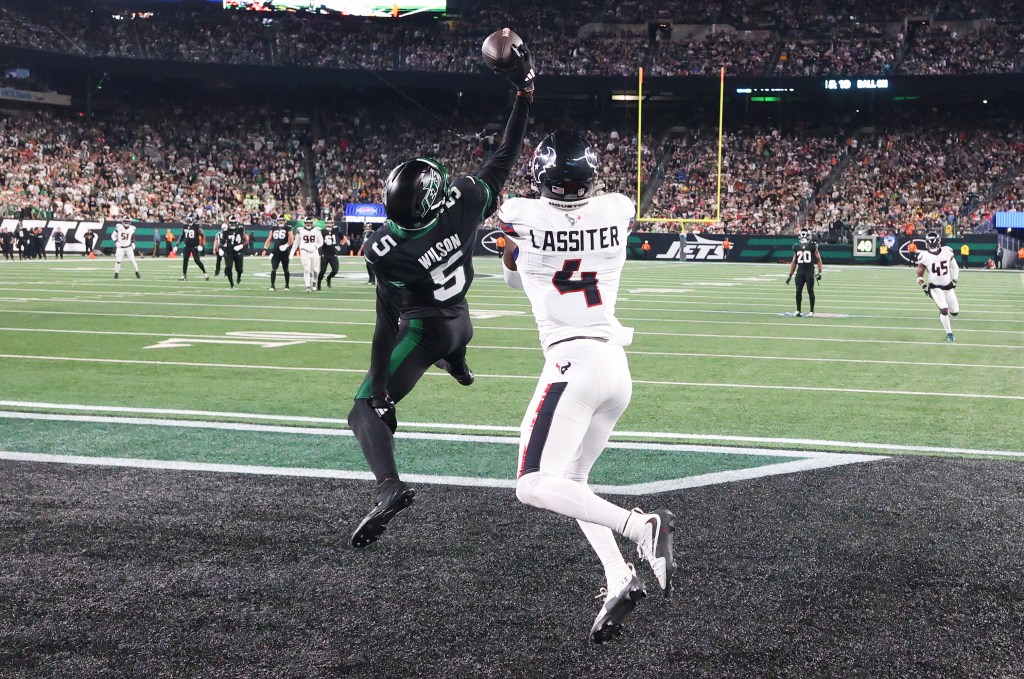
190, 219
415, 193
564, 167
932, 242
804, 235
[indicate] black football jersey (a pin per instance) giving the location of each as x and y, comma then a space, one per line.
190, 235
805, 259
279, 236
433, 267
6, 237
234, 237
332, 239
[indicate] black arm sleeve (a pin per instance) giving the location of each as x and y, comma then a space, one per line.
496, 170
389, 304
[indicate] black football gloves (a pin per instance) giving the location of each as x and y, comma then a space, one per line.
522, 74
789, 278
817, 277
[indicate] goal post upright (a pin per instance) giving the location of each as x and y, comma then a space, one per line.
639, 156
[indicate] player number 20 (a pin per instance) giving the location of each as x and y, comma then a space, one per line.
803, 257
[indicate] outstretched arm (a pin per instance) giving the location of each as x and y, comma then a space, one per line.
497, 168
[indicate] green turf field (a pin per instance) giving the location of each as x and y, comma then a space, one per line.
714, 361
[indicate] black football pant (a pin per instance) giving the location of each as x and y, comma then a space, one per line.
324, 261
369, 270
58, 250
420, 343
279, 258
802, 278
233, 264
8, 252
191, 253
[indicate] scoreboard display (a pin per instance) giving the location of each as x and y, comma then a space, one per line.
367, 8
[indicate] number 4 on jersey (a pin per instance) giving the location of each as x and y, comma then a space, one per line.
586, 283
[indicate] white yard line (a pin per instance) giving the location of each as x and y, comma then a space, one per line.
531, 327
339, 422
486, 347
710, 385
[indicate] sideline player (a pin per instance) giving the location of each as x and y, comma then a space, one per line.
571, 276
943, 273
7, 243
308, 241
190, 241
422, 259
124, 241
279, 243
805, 256
234, 241
218, 247
329, 254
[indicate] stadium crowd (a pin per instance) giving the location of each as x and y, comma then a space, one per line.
864, 37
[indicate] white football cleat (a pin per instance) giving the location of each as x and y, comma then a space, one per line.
618, 605
655, 546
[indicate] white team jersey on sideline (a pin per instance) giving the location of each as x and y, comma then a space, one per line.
309, 240
941, 266
570, 263
123, 235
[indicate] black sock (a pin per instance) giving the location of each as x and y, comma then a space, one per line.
375, 438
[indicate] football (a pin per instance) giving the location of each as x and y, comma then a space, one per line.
497, 49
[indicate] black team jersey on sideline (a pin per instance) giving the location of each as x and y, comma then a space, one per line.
426, 273
805, 259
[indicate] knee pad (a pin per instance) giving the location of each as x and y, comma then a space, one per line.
943, 312
955, 313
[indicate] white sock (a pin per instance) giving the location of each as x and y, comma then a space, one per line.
570, 498
117, 267
945, 322
603, 541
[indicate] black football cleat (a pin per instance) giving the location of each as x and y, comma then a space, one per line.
392, 497
464, 377
656, 546
617, 608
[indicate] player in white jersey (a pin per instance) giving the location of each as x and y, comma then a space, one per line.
569, 251
124, 244
943, 273
308, 241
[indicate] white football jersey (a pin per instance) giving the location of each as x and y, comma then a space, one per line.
570, 263
309, 239
942, 267
123, 234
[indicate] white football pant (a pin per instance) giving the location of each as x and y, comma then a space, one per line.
583, 390
945, 299
310, 267
119, 255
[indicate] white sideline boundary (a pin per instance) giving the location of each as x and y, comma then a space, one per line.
714, 442
792, 467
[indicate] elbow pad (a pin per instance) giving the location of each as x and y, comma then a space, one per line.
512, 278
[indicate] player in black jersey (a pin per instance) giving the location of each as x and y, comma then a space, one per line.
279, 243
422, 260
329, 254
805, 256
7, 243
234, 240
191, 242
22, 238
